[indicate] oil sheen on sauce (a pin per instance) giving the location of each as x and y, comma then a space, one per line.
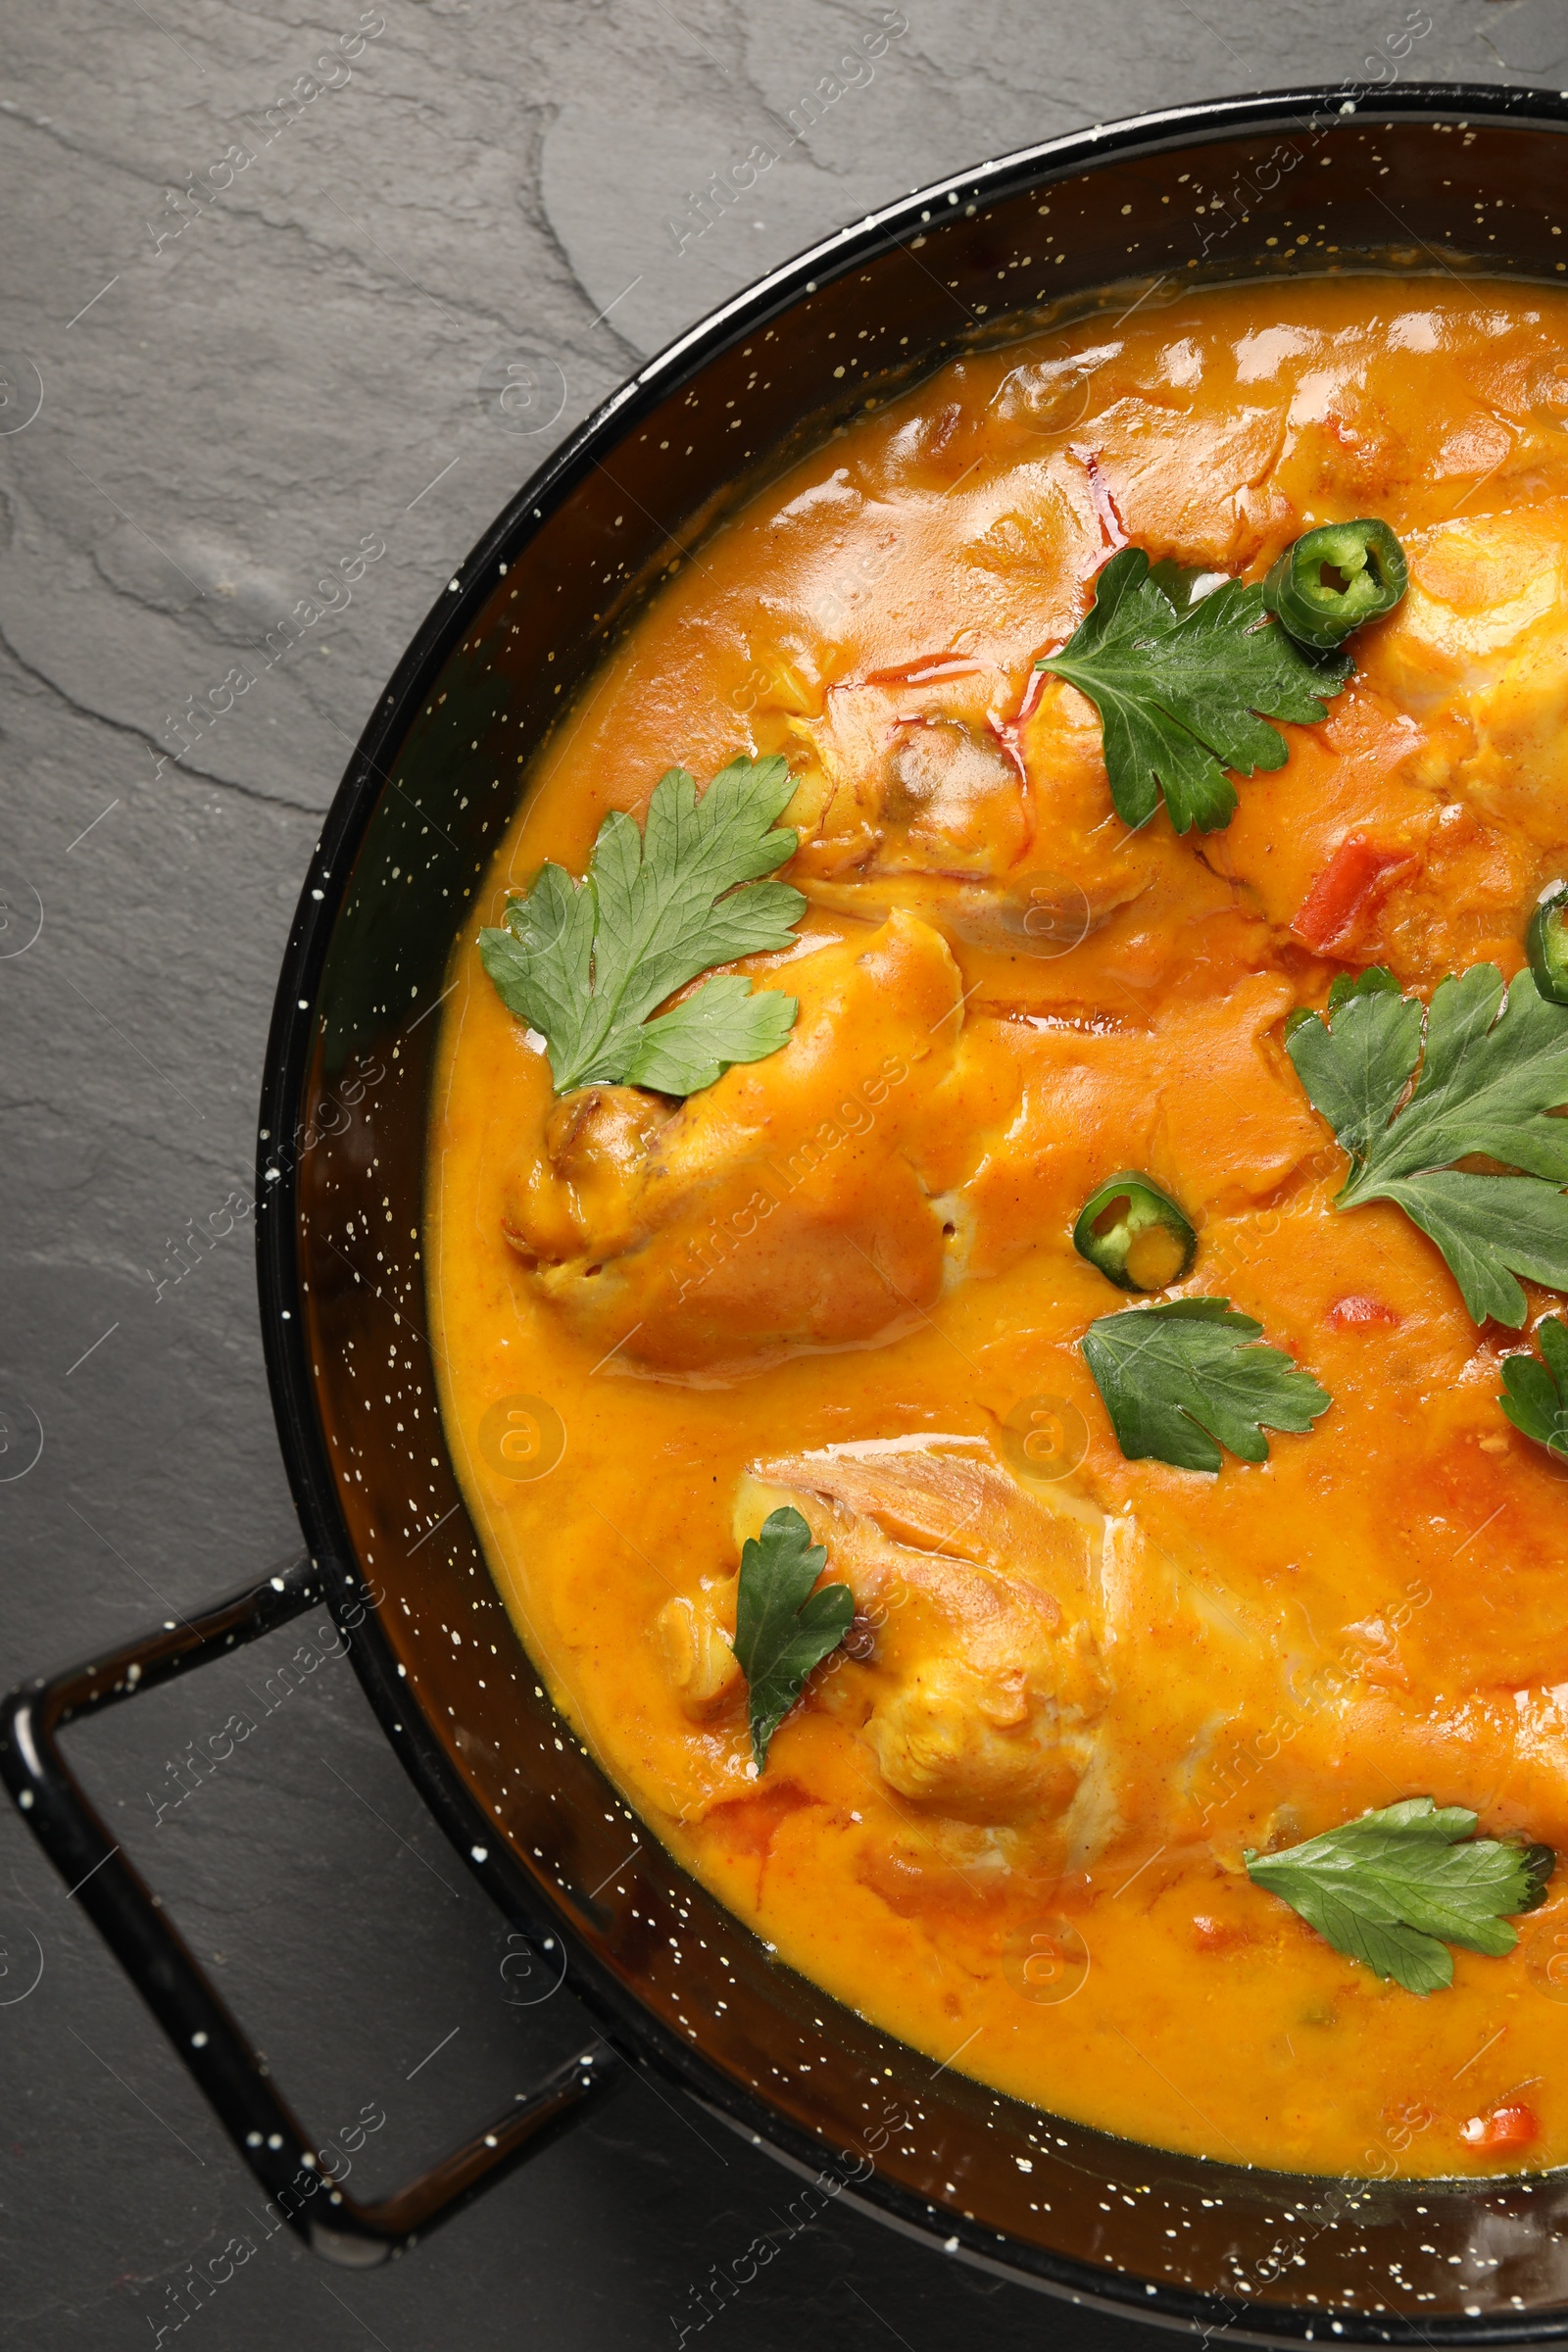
1011, 1828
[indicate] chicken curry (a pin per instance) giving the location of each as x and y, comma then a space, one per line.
979, 1316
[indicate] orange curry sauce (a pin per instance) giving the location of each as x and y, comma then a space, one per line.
1008, 1823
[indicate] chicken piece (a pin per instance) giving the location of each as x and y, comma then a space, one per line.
829, 1196
918, 794
1086, 1686
1046, 1113
1038, 1664
1185, 484
908, 778
582, 1196
1243, 1721
694, 1634
777, 1210
1481, 638
984, 1686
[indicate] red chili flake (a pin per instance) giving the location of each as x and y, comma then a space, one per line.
1112, 527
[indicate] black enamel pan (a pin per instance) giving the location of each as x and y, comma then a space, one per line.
1234, 189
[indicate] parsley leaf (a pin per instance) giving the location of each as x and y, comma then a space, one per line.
1491, 1072
782, 1628
1534, 1394
1393, 1889
1177, 1376
586, 962
1179, 690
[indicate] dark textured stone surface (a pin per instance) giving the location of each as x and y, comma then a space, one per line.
239, 408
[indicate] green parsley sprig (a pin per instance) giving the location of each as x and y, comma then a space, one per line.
585, 963
783, 1629
1394, 1889
1178, 1377
1534, 1394
1488, 1071
1180, 689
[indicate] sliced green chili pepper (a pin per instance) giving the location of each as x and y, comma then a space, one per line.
1135, 1234
1330, 580
1547, 944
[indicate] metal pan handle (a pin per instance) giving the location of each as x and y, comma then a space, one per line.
159, 1963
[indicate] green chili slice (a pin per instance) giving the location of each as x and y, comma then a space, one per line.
1330, 580
1135, 1234
1547, 944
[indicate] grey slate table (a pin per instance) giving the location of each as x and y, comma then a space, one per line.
208, 404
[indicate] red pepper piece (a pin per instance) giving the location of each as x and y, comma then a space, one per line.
1515, 2126
1351, 886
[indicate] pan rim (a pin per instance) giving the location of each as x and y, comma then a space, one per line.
624, 2018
